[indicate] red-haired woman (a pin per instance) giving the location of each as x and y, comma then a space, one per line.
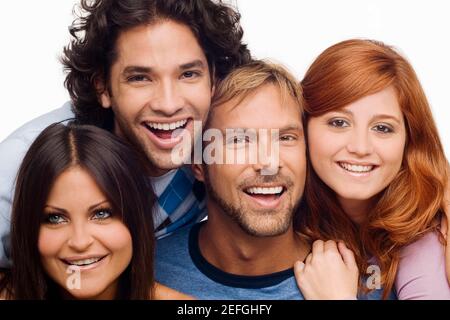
376, 178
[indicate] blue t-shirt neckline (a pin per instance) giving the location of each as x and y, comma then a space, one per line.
229, 279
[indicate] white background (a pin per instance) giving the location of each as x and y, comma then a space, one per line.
33, 33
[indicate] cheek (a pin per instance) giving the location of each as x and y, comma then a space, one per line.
295, 160
200, 99
391, 152
223, 178
116, 238
319, 146
128, 102
50, 242
218, 171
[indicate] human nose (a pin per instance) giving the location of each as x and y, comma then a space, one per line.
360, 143
269, 161
168, 98
80, 238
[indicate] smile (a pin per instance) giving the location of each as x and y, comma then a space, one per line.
356, 168
268, 197
166, 126
83, 262
270, 191
166, 135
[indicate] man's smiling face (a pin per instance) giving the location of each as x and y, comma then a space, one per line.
159, 82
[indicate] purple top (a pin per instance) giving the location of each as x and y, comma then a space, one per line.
421, 272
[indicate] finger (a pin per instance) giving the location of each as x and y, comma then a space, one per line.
308, 259
330, 245
347, 255
298, 272
317, 247
299, 266
444, 226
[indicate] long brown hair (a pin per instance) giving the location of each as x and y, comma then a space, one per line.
116, 170
409, 206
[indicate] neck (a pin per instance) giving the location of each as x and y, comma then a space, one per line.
357, 210
225, 245
156, 172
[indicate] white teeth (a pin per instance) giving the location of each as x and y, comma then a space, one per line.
84, 262
355, 168
167, 126
257, 190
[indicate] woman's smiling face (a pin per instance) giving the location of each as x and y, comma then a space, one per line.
84, 245
358, 150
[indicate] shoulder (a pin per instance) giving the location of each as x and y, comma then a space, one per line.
161, 292
17, 143
36, 125
428, 245
421, 270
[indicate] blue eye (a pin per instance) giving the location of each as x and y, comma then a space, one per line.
54, 218
383, 128
338, 123
102, 214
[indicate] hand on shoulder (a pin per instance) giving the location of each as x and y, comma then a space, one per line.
329, 272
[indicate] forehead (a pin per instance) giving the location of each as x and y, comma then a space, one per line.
265, 107
162, 43
382, 102
75, 184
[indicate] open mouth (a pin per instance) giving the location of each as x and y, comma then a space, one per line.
266, 196
166, 131
357, 169
83, 262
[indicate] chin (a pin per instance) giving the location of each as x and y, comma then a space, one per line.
162, 161
357, 195
87, 293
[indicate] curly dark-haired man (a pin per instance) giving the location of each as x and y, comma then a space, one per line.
141, 69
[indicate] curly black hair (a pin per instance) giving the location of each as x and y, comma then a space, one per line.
91, 53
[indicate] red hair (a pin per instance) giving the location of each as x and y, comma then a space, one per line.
410, 205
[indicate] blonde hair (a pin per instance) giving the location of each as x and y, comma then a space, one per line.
246, 79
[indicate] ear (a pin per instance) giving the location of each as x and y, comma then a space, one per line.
213, 89
105, 99
103, 93
199, 172
213, 82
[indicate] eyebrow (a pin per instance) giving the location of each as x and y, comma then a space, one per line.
192, 64
136, 69
291, 127
144, 69
65, 211
385, 116
375, 117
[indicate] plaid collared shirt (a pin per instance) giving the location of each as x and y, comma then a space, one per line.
180, 203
